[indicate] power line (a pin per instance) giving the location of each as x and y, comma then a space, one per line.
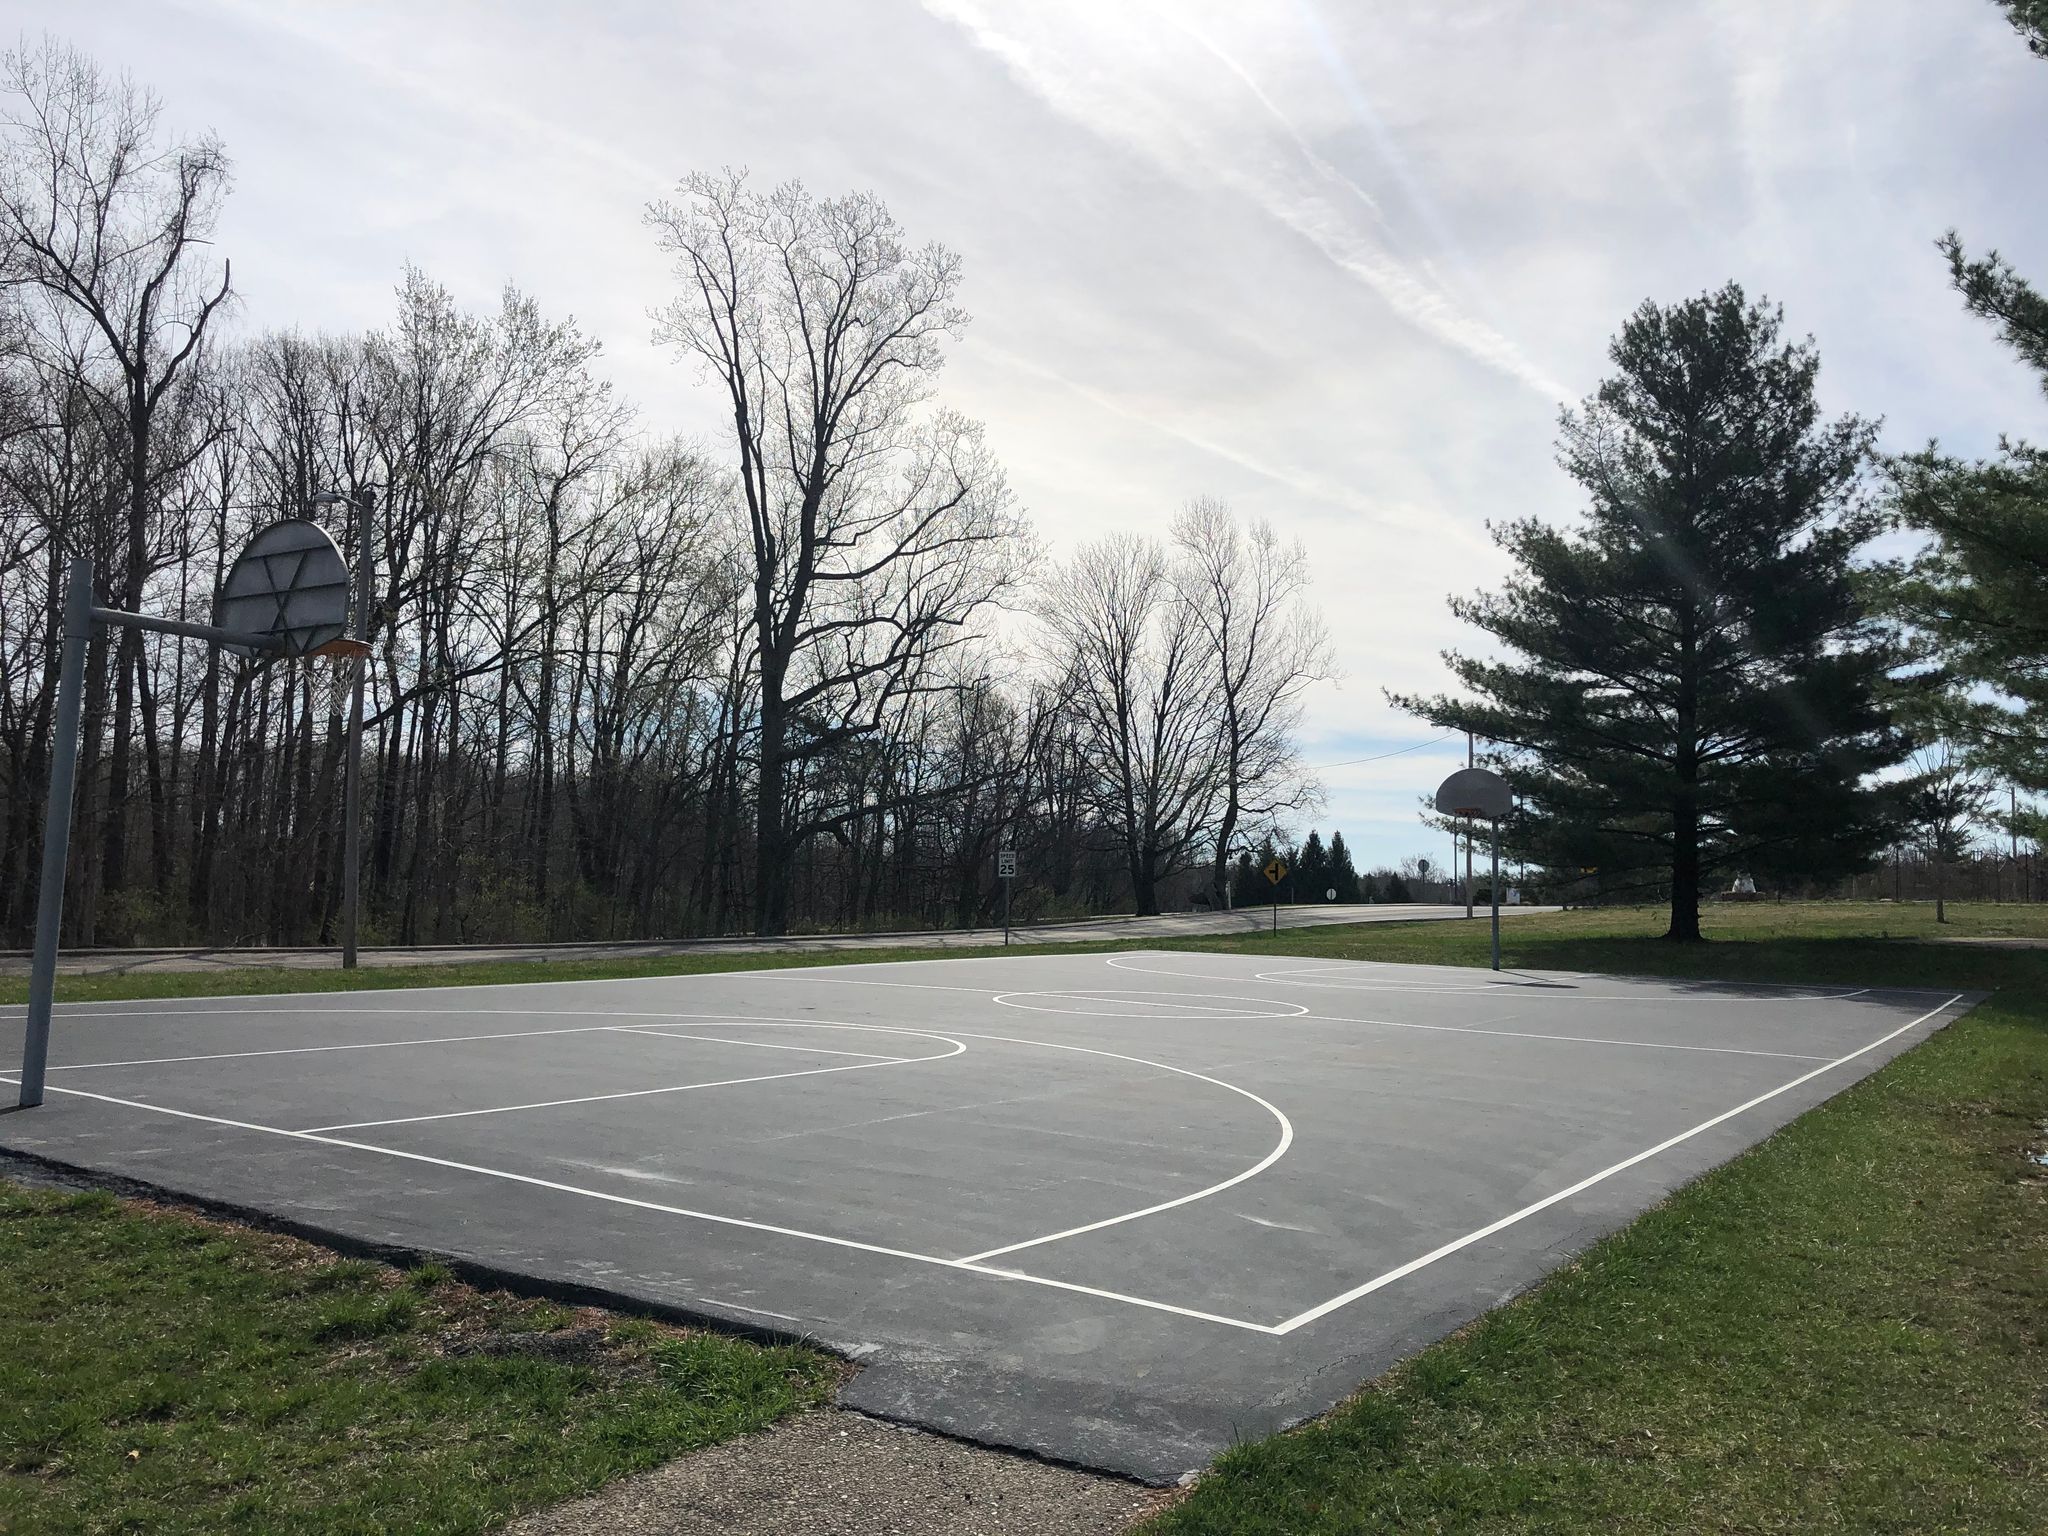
1353, 762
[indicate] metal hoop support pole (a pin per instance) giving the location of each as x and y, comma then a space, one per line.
364, 503
1495, 893
42, 980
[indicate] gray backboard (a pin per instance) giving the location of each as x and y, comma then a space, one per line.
291, 581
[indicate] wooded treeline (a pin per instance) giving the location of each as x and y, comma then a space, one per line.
812, 675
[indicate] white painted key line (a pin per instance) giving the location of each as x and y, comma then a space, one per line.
974, 1265
691, 1022
646, 1093
684, 1019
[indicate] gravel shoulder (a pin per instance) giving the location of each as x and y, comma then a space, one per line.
832, 1473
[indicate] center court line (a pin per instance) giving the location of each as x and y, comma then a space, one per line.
1126, 997
964, 1265
641, 1093
759, 1045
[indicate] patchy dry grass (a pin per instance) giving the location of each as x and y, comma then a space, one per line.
165, 1373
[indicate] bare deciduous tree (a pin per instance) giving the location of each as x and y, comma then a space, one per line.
1244, 587
107, 221
878, 528
1138, 680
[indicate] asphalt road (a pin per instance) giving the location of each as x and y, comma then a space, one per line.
1172, 925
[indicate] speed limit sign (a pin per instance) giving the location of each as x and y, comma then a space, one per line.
1006, 864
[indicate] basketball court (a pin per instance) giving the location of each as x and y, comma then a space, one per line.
1119, 1210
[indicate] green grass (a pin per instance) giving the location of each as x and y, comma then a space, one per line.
163, 1373
1844, 1330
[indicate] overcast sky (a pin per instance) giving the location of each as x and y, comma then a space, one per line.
1339, 264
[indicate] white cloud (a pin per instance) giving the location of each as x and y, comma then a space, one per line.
1098, 62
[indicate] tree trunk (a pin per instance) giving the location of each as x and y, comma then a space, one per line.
1145, 881
1685, 872
128, 649
771, 841
1219, 874
159, 801
1685, 809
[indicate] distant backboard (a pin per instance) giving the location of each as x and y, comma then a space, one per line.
1475, 792
289, 581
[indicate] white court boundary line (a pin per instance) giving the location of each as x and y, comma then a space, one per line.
714, 1020
1220, 1016
15, 1013
470, 1013
1344, 1299
759, 1045
1524, 1034
974, 1266
1115, 996
959, 1049
669, 1210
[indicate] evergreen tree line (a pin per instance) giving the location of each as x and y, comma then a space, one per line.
1714, 675
1320, 873
813, 674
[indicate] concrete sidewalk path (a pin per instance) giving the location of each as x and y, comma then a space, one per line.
1171, 925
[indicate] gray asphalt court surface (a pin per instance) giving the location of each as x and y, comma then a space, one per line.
1117, 1210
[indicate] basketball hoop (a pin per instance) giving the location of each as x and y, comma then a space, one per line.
1476, 792
1483, 794
342, 649
291, 582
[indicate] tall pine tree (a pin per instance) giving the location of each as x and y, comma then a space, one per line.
1686, 684
1312, 869
1976, 597
1343, 873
